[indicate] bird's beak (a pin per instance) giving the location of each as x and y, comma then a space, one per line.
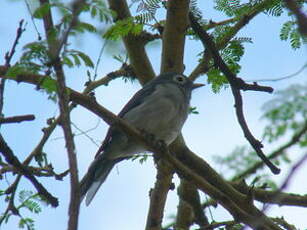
195, 86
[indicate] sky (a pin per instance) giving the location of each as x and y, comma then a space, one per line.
122, 201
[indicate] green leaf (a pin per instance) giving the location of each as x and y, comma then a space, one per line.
193, 110
26, 222
123, 28
15, 70
41, 11
76, 59
295, 39
67, 61
83, 26
86, 59
285, 30
216, 79
93, 12
32, 206
49, 85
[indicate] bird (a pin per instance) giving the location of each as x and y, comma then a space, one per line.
160, 108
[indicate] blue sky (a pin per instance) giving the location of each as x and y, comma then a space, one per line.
122, 202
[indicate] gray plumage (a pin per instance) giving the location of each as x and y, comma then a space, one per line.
160, 108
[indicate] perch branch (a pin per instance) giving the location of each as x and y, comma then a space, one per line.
192, 169
134, 45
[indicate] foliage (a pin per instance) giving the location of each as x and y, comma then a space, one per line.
77, 56
286, 113
289, 31
231, 54
193, 110
27, 201
122, 28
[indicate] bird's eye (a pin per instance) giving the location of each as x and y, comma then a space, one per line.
180, 79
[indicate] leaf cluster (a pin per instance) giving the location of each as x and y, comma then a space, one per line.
289, 31
146, 10
27, 201
123, 28
231, 54
34, 59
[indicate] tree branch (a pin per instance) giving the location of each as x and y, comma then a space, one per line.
16, 119
236, 84
193, 168
203, 66
173, 40
293, 140
272, 197
125, 70
189, 208
13, 160
54, 51
135, 45
158, 195
173, 37
301, 17
8, 58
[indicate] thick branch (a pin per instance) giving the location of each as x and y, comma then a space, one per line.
189, 208
301, 17
135, 45
158, 196
173, 39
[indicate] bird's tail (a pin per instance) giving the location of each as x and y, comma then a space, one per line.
96, 175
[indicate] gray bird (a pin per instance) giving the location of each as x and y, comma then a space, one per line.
159, 108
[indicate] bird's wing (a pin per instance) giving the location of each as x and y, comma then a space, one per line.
136, 100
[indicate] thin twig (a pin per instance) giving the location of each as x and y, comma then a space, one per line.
293, 140
125, 70
8, 57
13, 160
279, 78
39, 37
293, 170
99, 59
